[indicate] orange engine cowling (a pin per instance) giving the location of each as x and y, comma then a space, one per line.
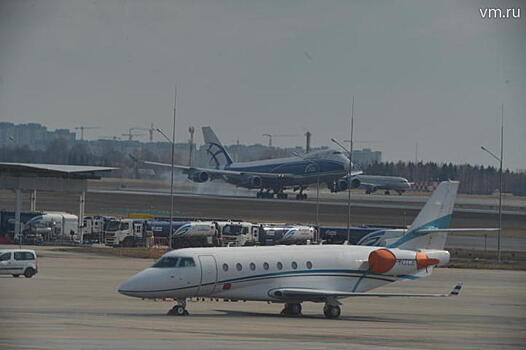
398, 262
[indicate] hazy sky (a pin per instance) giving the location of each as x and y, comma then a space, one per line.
432, 72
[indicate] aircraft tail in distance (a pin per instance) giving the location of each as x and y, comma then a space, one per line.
218, 154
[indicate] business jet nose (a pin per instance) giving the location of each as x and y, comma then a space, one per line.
137, 286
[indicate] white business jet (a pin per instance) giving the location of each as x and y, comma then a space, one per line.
294, 274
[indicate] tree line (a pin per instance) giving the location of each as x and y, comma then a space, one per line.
474, 179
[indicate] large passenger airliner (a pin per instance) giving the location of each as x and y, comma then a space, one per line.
295, 274
273, 176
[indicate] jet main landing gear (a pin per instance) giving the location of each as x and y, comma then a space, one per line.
332, 308
291, 309
179, 309
332, 311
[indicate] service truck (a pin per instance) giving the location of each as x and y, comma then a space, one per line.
271, 234
52, 226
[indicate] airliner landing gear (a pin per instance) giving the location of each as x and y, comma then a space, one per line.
267, 195
179, 309
291, 310
301, 196
332, 311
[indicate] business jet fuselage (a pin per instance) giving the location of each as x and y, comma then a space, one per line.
294, 274
318, 273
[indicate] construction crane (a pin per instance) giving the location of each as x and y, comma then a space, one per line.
150, 130
270, 136
82, 128
131, 135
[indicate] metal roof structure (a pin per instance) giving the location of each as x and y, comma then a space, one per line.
47, 177
52, 170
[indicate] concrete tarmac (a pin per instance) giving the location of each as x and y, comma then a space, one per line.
73, 304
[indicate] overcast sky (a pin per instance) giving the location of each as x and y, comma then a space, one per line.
432, 72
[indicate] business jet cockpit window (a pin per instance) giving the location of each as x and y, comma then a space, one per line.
168, 261
186, 262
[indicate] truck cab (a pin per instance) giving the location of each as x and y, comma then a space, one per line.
124, 233
238, 233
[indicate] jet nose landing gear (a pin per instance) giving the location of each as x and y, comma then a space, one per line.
179, 309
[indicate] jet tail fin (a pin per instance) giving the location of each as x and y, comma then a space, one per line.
425, 231
216, 150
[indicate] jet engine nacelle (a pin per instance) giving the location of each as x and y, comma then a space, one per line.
199, 176
343, 185
405, 262
253, 181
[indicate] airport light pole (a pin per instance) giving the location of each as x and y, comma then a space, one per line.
172, 141
499, 159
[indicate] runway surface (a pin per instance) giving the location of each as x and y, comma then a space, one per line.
73, 304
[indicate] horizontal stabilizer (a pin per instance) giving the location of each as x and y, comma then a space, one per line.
431, 230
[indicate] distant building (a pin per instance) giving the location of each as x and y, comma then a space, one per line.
31, 135
365, 157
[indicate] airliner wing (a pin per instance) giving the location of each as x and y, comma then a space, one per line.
320, 294
220, 172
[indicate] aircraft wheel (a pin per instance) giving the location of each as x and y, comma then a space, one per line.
332, 311
291, 310
178, 310
294, 309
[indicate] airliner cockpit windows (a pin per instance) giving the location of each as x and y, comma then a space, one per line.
186, 262
168, 261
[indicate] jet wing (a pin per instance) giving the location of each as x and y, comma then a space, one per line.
221, 172
320, 294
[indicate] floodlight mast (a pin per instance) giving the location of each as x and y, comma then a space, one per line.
349, 176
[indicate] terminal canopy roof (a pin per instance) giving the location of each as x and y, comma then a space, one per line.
52, 170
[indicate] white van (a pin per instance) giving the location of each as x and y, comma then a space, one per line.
18, 262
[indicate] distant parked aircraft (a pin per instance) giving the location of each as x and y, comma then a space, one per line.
372, 183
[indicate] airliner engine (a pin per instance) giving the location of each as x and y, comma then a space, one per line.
343, 185
253, 181
199, 176
405, 262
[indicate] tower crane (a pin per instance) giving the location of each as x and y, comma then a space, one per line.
82, 128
